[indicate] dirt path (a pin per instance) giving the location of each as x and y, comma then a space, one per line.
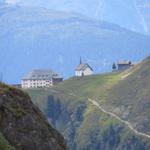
95, 103
128, 124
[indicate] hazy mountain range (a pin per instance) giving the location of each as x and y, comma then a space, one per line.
132, 14
39, 38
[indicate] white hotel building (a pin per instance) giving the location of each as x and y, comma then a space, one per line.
40, 79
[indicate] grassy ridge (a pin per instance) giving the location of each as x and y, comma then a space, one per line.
96, 128
89, 86
76, 89
131, 97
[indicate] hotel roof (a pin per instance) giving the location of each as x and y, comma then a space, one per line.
41, 74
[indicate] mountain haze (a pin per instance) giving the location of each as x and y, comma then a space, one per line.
131, 14
33, 38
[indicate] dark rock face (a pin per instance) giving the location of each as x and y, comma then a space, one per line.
23, 125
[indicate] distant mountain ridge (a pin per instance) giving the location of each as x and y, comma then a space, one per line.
33, 38
131, 14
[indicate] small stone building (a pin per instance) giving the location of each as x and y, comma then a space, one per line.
123, 65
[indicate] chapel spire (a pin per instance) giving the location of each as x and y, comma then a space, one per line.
80, 60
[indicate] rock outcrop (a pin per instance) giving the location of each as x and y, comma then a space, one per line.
23, 125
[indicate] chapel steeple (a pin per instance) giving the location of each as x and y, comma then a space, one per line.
80, 60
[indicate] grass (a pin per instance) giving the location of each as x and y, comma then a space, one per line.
76, 90
4, 145
89, 86
133, 92
112, 91
19, 112
11, 91
4, 88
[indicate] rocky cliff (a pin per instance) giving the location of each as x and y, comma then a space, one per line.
23, 126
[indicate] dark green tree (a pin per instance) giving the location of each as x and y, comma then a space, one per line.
114, 67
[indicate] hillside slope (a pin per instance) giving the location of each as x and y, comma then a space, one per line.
85, 126
23, 126
56, 40
130, 99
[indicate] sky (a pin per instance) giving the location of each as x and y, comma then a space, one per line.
12, 1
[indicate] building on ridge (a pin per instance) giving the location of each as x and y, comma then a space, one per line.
122, 65
83, 69
41, 79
